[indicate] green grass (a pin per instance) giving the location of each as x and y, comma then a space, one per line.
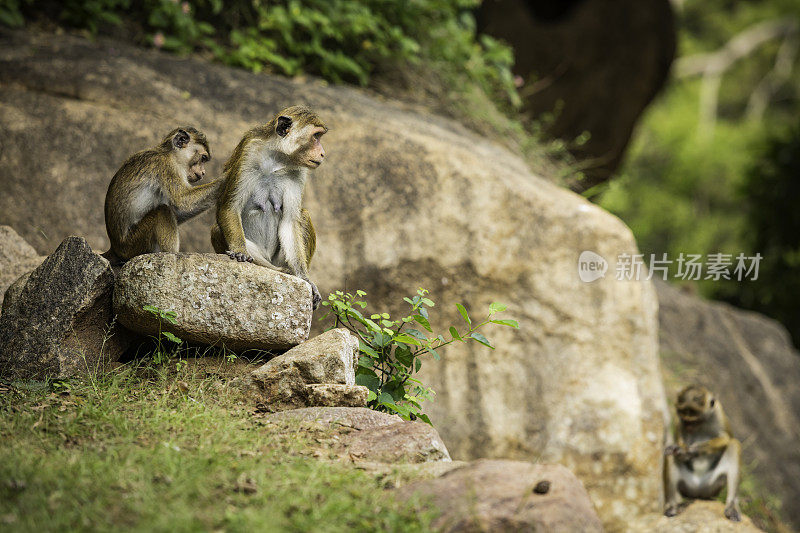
154, 450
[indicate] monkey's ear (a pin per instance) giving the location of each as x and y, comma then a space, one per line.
180, 139
284, 123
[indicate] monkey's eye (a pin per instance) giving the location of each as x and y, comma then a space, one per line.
713, 401
204, 159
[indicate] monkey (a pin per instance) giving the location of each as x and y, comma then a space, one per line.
152, 193
704, 457
260, 218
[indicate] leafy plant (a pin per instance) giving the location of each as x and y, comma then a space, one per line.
391, 351
161, 355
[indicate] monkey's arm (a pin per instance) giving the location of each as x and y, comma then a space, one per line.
715, 445
191, 202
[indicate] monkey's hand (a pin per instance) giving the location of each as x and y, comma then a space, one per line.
672, 510
239, 256
680, 453
316, 297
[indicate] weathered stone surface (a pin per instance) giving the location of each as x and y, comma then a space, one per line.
329, 358
11, 296
749, 362
489, 495
217, 301
359, 418
593, 81
577, 384
57, 325
336, 394
699, 517
17, 257
401, 442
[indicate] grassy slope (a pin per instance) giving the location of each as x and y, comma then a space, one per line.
133, 450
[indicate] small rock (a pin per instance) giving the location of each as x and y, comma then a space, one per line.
216, 301
327, 359
543, 487
495, 495
359, 418
337, 394
698, 517
57, 323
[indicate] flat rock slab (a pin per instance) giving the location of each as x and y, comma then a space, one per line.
698, 517
217, 301
337, 395
58, 322
371, 437
17, 257
358, 418
499, 495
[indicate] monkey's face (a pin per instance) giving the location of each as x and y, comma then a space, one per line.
191, 152
695, 404
299, 137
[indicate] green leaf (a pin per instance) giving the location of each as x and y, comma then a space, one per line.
372, 382
375, 316
365, 362
151, 309
481, 339
424, 418
509, 323
464, 314
408, 339
423, 321
387, 323
408, 300
428, 302
455, 334
434, 353
171, 337
371, 396
424, 312
403, 354
359, 292
417, 333
367, 350
417, 365
496, 307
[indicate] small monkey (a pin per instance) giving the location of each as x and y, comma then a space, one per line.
705, 457
152, 193
260, 217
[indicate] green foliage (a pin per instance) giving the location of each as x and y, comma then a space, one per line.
164, 352
392, 351
340, 40
771, 191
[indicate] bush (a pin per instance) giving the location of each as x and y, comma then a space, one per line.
340, 40
392, 351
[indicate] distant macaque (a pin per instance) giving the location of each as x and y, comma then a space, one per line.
705, 457
260, 217
152, 193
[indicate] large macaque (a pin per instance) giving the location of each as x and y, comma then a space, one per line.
152, 193
704, 457
260, 217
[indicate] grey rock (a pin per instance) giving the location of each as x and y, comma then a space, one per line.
698, 517
337, 395
17, 258
494, 495
59, 323
328, 358
358, 418
217, 301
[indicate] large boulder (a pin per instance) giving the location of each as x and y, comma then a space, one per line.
749, 362
216, 301
59, 322
508, 496
17, 257
592, 65
404, 199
